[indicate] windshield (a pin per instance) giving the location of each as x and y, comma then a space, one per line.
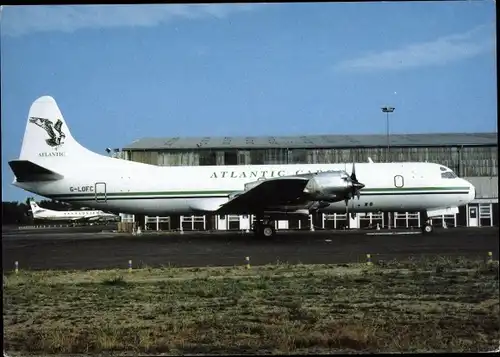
448, 175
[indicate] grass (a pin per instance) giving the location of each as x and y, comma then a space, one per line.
412, 306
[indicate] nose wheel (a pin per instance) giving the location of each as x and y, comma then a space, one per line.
427, 227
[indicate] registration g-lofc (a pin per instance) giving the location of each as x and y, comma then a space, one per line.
87, 188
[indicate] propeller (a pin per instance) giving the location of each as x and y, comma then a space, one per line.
355, 185
355, 189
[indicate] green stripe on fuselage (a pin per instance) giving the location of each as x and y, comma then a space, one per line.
213, 194
153, 193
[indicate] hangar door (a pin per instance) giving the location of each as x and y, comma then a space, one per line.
100, 192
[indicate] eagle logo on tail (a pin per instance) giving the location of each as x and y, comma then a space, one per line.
56, 135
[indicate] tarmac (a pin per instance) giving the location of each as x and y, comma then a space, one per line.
83, 248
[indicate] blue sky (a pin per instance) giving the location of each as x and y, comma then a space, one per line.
120, 73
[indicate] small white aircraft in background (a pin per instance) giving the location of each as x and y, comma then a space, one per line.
53, 164
74, 216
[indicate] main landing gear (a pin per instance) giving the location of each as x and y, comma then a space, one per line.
264, 227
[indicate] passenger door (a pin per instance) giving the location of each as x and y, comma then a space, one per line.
100, 192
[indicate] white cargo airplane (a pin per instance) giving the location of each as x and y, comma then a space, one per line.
53, 164
82, 215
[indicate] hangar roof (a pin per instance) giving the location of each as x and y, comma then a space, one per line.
313, 141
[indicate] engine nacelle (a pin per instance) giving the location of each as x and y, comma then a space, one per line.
328, 186
317, 205
250, 185
234, 195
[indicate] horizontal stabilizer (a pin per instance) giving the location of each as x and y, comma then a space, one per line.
27, 171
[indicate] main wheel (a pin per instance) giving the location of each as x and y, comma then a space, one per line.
267, 231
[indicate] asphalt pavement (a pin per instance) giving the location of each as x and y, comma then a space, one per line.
75, 249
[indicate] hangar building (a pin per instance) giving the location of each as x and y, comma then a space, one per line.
473, 156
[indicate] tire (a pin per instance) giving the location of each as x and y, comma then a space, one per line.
428, 229
267, 231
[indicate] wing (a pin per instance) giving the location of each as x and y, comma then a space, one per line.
264, 194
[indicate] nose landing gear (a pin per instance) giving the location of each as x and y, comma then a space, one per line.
427, 227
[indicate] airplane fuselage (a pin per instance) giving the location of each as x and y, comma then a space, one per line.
131, 187
73, 215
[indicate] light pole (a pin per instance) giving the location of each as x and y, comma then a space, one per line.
387, 110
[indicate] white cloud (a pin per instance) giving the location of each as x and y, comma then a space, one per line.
441, 51
20, 20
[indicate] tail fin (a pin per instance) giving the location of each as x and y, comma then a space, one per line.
47, 140
35, 208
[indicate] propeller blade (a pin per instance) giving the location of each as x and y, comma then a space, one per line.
357, 185
353, 175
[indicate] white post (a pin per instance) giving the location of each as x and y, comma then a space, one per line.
323, 220
491, 215
311, 220
204, 222
407, 221
182, 221
192, 223
157, 223
300, 226
334, 221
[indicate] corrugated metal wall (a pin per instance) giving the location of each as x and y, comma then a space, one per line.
486, 187
467, 161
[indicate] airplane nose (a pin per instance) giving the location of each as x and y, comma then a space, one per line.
472, 192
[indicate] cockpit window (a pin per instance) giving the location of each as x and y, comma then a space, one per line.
443, 168
448, 175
